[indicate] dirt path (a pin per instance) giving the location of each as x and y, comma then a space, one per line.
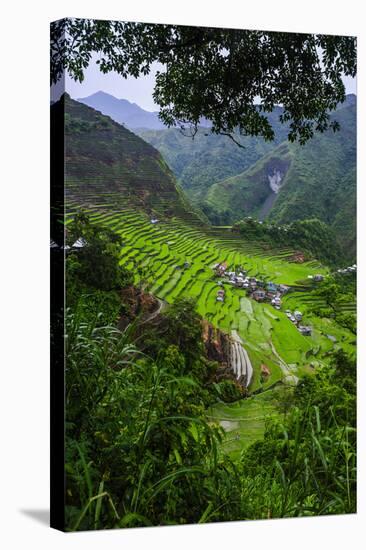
155, 313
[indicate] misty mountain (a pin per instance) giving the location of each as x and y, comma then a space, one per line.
123, 111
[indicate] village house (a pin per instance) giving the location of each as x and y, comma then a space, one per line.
306, 331
298, 315
53, 244
259, 295
283, 289
271, 287
276, 302
154, 221
221, 268
220, 295
79, 243
318, 277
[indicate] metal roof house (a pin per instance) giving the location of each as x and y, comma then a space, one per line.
259, 295
271, 287
306, 331
79, 243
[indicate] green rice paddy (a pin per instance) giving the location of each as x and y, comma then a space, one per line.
245, 421
176, 257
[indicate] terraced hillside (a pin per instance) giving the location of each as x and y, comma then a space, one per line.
123, 183
172, 258
245, 421
106, 165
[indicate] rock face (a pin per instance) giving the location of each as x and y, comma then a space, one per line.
137, 302
217, 344
219, 348
275, 180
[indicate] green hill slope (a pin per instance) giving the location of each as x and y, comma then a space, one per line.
317, 180
315, 183
109, 166
249, 193
345, 221
208, 158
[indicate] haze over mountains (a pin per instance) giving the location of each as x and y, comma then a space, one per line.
123, 111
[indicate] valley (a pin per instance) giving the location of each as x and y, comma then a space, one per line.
170, 249
171, 259
205, 263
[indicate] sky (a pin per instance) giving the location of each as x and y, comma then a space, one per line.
137, 90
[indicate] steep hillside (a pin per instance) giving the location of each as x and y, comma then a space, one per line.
315, 180
123, 111
109, 166
253, 191
292, 182
175, 259
345, 221
208, 158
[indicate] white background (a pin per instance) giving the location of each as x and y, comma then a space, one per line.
24, 303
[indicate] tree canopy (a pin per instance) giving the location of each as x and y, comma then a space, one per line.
230, 77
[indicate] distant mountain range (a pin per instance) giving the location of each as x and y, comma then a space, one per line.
123, 111
277, 180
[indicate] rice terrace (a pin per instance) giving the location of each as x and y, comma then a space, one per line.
174, 259
207, 240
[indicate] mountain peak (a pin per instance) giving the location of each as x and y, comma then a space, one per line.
123, 111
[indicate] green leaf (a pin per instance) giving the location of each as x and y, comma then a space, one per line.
178, 458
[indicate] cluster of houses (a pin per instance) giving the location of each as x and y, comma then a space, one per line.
237, 278
78, 244
296, 318
269, 292
260, 291
257, 289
